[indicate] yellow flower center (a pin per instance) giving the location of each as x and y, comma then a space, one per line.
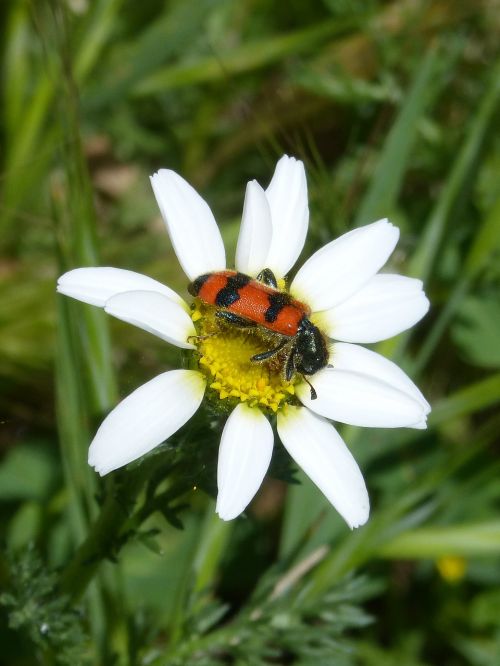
223, 354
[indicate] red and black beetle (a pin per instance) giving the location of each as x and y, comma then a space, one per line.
244, 302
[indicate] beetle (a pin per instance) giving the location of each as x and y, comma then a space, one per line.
247, 302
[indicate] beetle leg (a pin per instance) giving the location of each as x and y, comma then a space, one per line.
267, 277
290, 365
270, 353
234, 319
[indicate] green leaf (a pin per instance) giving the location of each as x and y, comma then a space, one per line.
24, 527
486, 242
28, 472
476, 539
477, 329
35, 605
471, 399
211, 548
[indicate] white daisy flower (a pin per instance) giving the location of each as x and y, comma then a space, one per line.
340, 296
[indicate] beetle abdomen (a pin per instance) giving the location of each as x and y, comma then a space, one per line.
273, 309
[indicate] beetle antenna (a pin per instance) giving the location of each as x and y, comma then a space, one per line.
314, 395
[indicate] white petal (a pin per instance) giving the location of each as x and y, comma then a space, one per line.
385, 306
354, 358
96, 285
361, 400
190, 223
339, 269
146, 418
244, 455
287, 196
255, 231
154, 313
316, 446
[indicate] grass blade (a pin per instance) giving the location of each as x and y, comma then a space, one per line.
384, 189
246, 58
460, 180
474, 540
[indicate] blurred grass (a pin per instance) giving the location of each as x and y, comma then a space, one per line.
394, 108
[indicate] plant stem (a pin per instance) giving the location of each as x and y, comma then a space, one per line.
100, 543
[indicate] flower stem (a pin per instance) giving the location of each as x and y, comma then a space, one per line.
102, 542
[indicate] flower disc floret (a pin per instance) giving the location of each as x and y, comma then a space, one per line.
223, 355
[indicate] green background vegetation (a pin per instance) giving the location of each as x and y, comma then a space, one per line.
393, 107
